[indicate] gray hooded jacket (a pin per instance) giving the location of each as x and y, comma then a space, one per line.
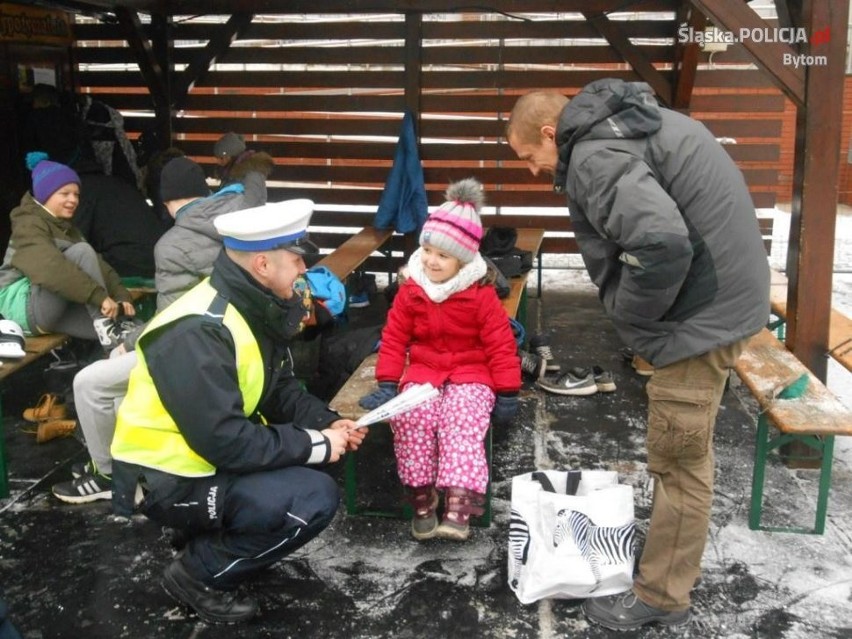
664, 221
185, 254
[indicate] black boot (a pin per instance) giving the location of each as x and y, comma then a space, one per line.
211, 605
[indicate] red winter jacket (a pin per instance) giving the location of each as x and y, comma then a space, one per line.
464, 339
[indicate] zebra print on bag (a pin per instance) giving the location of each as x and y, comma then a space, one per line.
519, 543
598, 545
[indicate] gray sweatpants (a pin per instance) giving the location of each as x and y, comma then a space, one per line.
48, 312
98, 390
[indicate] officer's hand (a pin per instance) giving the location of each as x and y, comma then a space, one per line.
338, 439
505, 409
384, 393
355, 433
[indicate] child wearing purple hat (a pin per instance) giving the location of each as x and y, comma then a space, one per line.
51, 280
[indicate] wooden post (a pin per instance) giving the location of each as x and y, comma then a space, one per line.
814, 207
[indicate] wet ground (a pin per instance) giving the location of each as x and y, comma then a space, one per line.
75, 571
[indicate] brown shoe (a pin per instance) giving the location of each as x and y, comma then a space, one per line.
48, 407
642, 367
52, 428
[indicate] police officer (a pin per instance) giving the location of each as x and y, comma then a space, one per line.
215, 434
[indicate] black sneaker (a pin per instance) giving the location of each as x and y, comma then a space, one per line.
627, 612
211, 605
540, 345
79, 469
532, 364
111, 333
84, 489
569, 384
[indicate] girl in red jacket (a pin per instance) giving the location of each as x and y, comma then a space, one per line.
447, 321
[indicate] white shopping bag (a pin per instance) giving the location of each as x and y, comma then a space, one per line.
571, 535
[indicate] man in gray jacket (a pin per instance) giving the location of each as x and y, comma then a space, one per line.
669, 235
183, 257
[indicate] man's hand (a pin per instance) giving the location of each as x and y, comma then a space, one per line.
338, 440
356, 433
343, 435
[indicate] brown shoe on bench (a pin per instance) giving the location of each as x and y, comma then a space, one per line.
52, 428
48, 407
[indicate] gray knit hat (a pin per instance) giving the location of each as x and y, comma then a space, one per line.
455, 227
229, 145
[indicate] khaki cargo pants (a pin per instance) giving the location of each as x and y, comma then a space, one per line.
683, 400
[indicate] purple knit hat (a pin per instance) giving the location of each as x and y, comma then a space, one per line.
48, 177
455, 227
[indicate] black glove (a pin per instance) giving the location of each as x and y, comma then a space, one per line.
384, 393
505, 409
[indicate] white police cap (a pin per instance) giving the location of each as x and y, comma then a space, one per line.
276, 225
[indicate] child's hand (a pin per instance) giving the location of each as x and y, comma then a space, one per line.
384, 393
505, 409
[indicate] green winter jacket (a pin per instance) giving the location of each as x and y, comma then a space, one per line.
35, 252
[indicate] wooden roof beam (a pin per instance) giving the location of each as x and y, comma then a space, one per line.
631, 54
733, 15
686, 56
216, 46
152, 72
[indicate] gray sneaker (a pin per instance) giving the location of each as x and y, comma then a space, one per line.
532, 364
540, 345
627, 612
569, 384
603, 379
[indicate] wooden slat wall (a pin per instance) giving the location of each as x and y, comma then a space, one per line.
325, 97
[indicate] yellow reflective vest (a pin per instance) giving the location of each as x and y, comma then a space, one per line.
145, 433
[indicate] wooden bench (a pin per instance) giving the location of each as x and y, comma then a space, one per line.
814, 419
363, 380
516, 302
347, 257
839, 327
36, 348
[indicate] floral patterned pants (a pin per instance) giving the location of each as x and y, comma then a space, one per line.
443, 441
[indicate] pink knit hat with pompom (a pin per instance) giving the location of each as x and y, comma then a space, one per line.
455, 227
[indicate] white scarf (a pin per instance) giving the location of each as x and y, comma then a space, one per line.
468, 275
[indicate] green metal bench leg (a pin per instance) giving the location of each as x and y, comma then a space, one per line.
522, 308
763, 445
539, 274
761, 450
484, 520
824, 483
350, 483
4, 474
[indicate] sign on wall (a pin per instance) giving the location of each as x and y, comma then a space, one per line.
34, 25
